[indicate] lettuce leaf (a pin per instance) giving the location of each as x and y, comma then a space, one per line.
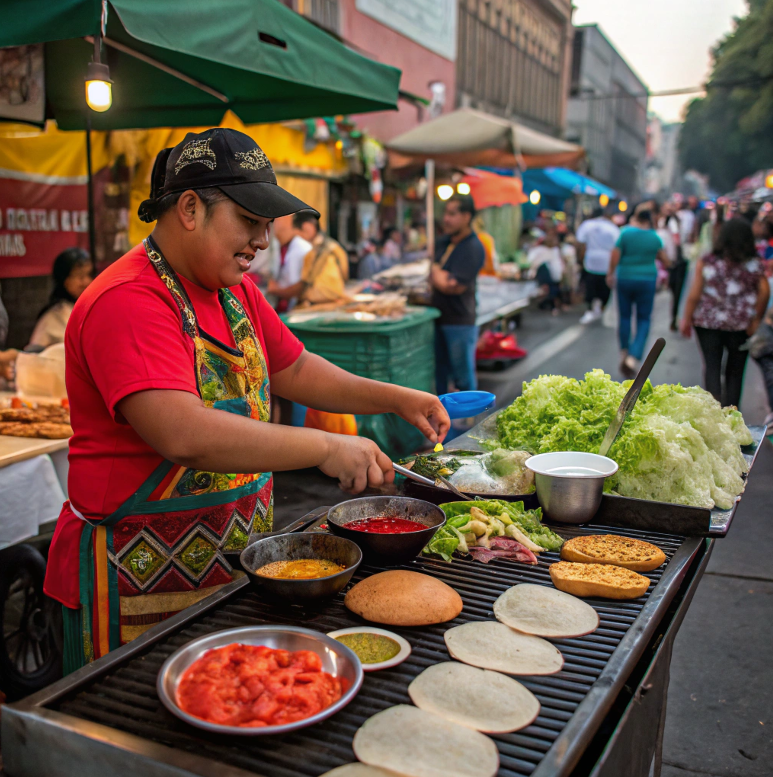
678, 445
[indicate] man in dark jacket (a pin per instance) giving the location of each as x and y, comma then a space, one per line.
459, 257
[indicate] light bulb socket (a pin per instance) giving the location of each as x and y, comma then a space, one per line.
96, 71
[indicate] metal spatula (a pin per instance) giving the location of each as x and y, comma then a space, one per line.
427, 482
629, 400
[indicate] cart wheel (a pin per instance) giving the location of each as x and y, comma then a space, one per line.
30, 624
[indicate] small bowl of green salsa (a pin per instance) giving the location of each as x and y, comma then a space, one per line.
376, 648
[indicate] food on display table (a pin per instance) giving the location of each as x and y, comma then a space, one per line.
476, 698
300, 569
402, 598
505, 529
432, 466
678, 445
492, 645
256, 686
545, 612
416, 743
46, 431
50, 422
611, 549
385, 525
604, 580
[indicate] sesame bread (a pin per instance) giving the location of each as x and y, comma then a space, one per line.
605, 580
611, 549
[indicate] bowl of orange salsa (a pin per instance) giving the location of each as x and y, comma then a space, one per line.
259, 680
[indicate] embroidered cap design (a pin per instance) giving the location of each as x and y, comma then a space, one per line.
254, 159
196, 151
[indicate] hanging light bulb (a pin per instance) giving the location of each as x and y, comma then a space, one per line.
445, 192
463, 188
535, 197
622, 206
99, 87
603, 200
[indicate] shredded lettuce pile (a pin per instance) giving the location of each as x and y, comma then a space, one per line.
678, 445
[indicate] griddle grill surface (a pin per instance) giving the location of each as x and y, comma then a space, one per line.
126, 698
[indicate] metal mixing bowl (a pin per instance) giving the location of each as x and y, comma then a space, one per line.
337, 659
289, 547
570, 484
387, 548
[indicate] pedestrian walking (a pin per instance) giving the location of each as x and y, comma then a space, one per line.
634, 270
596, 239
726, 304
547, 267
761, 350
459, 257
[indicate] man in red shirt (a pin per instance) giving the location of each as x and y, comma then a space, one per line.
171, 357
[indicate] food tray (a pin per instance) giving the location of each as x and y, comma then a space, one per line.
628, 512
109, 713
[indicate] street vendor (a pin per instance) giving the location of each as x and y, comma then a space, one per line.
169, 357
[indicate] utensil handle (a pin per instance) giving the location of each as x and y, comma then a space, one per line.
413, 475
629, 400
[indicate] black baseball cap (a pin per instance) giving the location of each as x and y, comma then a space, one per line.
227, 160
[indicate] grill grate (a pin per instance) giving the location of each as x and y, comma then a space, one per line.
125, 698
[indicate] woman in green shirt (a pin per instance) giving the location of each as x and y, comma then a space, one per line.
632, 268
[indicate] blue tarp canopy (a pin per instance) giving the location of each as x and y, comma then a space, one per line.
560, 182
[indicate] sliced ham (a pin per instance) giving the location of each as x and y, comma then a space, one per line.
503, 547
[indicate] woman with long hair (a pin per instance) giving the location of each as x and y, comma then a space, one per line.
726, 303
72, 274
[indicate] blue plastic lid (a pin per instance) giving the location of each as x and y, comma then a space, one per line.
465, 404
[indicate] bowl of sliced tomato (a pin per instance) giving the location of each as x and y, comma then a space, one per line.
259, 680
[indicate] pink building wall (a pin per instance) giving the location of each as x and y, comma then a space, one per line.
420, 66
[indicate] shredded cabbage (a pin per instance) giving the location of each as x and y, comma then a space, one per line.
678, 445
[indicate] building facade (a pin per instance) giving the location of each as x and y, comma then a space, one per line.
607, 112
662, 171
513, 60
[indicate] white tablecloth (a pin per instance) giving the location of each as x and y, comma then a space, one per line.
31, 494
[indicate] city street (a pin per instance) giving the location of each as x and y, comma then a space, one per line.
720, 709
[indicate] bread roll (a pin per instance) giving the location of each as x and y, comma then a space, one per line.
402, 598
604, 580
611, 549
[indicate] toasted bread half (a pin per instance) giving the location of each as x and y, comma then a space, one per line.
603, 580
611, 549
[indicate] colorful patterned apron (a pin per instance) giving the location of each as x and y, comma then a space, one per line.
163, 549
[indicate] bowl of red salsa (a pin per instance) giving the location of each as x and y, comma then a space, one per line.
259, 680
388, 529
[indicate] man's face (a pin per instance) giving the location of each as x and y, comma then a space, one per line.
308, 230
454, 221
283, 229
227, 239
692, 203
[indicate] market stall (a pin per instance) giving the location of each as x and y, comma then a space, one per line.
593, 650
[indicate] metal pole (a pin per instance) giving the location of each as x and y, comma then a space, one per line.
429, 175
92, 224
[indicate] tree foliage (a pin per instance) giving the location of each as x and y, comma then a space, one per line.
728, 134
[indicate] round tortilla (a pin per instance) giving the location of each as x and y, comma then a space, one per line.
476, 698
545, 612
416, 743
492, 645
358, 770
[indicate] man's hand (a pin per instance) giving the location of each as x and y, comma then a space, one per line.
611, 280
8, 364
425, 412
357, 463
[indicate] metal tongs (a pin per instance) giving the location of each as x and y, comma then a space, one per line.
439, 482
629, 400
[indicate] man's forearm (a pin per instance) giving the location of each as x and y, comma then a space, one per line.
314, 381
183, 430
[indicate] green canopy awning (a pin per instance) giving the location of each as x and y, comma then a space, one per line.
256, 57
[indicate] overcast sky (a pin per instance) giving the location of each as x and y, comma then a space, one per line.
666, 42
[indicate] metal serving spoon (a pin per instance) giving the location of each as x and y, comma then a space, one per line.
427, 482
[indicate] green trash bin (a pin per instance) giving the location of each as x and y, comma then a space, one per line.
400, 352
